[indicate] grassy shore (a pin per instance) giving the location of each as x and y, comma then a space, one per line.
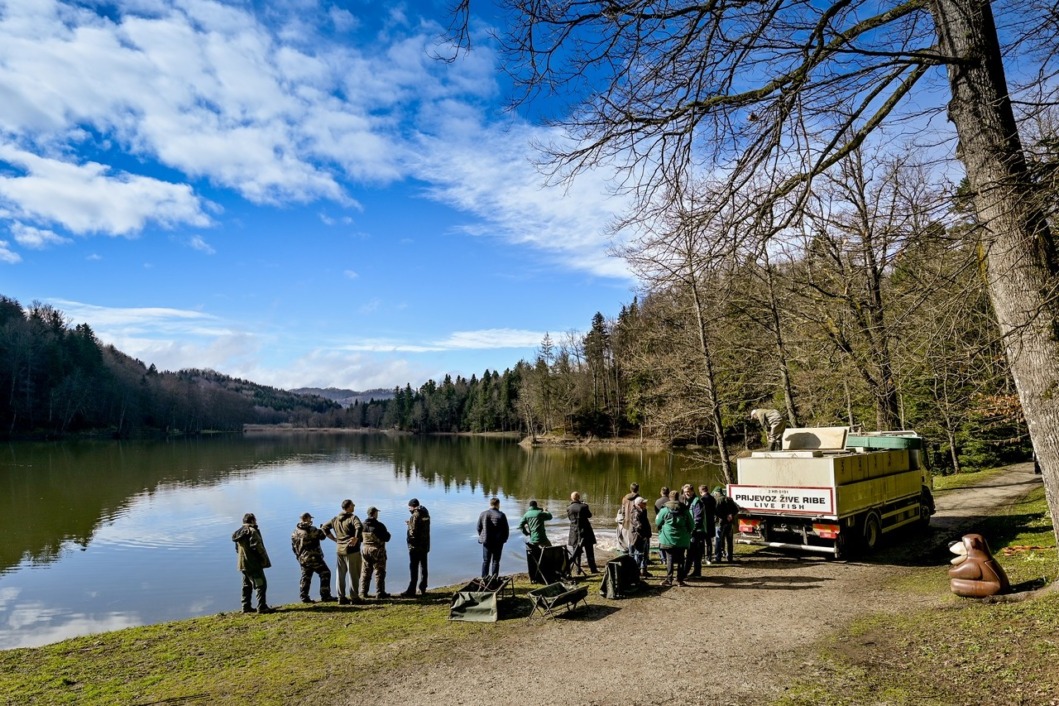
965, 652
959, 653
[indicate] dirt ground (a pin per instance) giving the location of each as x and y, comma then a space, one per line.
738, 636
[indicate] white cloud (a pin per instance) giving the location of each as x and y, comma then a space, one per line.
7, 254
197, 242
272, 106
87, 198
36, 238
489, 171
351, 274
484, 339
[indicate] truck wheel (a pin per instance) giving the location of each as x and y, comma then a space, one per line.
841, 548
924, 516
872, 531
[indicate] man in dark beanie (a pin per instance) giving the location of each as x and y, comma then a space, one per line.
253, 560
418, 548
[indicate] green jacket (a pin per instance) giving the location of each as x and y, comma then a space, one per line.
674, 526
532, 525
250, 547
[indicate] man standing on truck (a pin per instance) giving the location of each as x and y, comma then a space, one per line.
773, 423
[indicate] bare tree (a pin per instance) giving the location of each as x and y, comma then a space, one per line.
792, 88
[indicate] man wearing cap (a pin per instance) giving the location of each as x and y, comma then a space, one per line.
253, 560
773, 423
640, 534
344, 530
418, 547
373, 552
305, 543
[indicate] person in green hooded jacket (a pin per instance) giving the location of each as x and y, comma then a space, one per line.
252, 562
674, 536
532, 525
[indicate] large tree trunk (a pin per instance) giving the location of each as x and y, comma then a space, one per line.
1021, 262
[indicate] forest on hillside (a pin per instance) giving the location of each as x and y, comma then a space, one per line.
57, 379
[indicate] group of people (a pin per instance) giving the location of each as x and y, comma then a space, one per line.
360, 554
694, 526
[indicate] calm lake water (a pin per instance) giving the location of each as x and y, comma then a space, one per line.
98, 536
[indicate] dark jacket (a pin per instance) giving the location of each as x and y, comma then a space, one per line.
640, 531
580, 528
493, 529
419, 530
375, 533
305, 542
704, 513
726, 510
250, 546
660, 502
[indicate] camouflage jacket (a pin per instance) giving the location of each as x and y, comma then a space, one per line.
305, 542
250, 546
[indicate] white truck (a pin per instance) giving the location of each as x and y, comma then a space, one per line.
831, 491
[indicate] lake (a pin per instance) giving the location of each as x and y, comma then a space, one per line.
104, 535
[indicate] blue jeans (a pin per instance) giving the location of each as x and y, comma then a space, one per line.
724, 541
491, 560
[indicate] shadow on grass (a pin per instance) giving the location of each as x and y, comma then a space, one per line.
932, 548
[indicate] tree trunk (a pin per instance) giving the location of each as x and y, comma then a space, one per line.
781, 348
1020, 261
711, 383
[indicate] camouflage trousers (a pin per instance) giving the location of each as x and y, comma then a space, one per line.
374, 561
314, 564
254, 580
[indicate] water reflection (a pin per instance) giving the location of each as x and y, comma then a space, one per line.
102, 535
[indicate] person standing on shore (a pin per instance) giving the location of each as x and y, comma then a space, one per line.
305, 543
252, 562
582, 538
373, 554
640, 535
699, 539
418, 548
493, 532
532, 525
674, 534
344, 530
624, 518
727, 511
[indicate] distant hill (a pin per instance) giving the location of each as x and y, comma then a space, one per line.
346, 398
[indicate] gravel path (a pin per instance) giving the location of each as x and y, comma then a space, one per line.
736, 637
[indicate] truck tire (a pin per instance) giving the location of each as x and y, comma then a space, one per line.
872, 531
924, 515
841, 548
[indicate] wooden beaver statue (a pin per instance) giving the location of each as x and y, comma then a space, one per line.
975, 573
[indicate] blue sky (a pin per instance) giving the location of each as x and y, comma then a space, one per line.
297, 194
